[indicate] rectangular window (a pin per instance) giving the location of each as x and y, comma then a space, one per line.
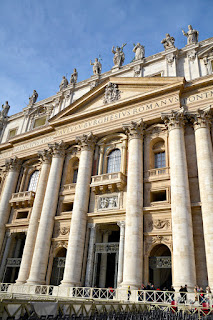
158, 196
160, 161
75, 175
22, 214
12, 133
39, 122
66, 207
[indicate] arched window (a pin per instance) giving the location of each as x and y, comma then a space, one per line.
33, 181
114, 161
159, 154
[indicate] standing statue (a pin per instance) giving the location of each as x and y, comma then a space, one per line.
74, 77
192, 35
63, 83
5, 109
33, 98
139, 51
97, 66
168, 42
119, 56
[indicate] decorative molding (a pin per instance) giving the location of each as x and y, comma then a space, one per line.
86, 141
202, 118
134, 130
108, 202
13, 164
112, 93
44, 155
174, 119
57, 149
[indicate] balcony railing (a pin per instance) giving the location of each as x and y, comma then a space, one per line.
157, 173
13, 262
68, 189
22, 199
108, 181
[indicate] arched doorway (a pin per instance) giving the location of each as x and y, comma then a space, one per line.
58, 267
160, 272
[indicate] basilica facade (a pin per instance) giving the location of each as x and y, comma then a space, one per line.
109, 183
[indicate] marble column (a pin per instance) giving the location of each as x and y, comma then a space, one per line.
101, 157
45, 229
133, 254
121, 224
103, 264
91, 253
13, 167
202, 122
34, 218
182, 230
5, 256
74, 258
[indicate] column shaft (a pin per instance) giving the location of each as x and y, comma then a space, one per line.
34, 220
103, 265
5, 256
45, 229
74, 258
182, 230
90, 259
9, 187
121, 253
133, 254
205, 174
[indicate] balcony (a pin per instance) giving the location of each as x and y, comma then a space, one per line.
67, 189
157, 174
22, 199
108, 182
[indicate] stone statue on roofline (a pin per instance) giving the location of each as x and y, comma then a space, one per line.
64, 83
119, 56
33, 98
192, 35
5, 109
97, 66
74, 76
168, 42
139, 51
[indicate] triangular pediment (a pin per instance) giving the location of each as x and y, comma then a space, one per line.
116, 91
205, 52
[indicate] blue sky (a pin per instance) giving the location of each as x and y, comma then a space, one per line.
42, 40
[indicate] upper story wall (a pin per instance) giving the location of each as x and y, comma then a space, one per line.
193, 61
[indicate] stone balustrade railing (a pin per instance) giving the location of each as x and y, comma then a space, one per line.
157, 173
110, 181
170, 298
22, 199
68, 189
13, 262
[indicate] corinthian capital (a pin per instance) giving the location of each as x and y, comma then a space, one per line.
86, 141
13, 164
57, 149
202, 118
174, 119
44, 155
134, 129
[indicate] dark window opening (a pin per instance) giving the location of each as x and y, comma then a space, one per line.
67, 206
158, 196
22, 214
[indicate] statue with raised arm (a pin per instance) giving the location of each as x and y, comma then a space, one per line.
168, 42
139, 51
63, 83
74, 77
192, 35
119, 56
97, 66
5, 109
33, 98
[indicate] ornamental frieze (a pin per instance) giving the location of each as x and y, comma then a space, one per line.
157, 224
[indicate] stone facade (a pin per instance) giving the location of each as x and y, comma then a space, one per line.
110, 182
